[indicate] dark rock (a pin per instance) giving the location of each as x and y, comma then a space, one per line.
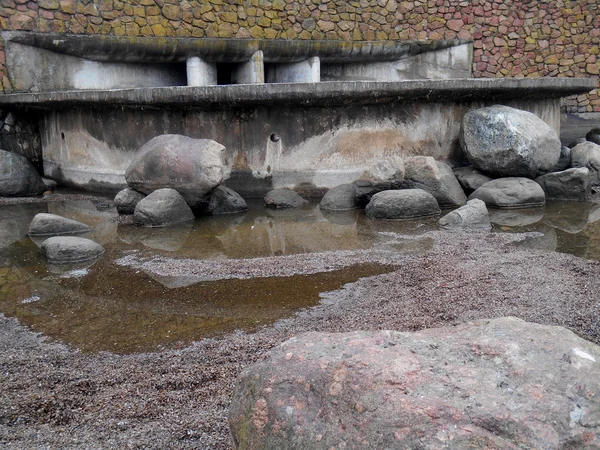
577, 142
340, 198
366, 189
593, 135
501, 383
564, 162
283, 198
470, 178
511, 192
437, 178
474, 215
126, 201
402, 204
44, 224
570, 184
49, 184
161, 208
70, 249
226, 201
507, 142
587, 155
193, 167
18, 177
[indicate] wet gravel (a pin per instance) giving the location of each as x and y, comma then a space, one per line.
52, 396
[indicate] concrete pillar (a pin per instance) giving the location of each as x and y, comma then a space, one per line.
200, 73
251, 72
307, 71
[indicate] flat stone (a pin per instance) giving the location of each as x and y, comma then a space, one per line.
437, 178
283, 198
340, 198
508, 142
161, 208
126, 201
44, 224
570, 184
489, 384
226, 201
70, 249
470, 178
402, 204
511, 192
473, 215
18, 178
587, 155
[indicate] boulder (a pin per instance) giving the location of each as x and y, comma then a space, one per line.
44, 224
570, 184
402, 204
564, 162
587, 155
340, 198
593, 135
126, 201
226, 201
437, 178
507, 142
70, 249
366, 189
18, 177
511, 192
489, 384
193, 167
161, 208
387, 169
577, 142
474, 215
470, 178
283, 198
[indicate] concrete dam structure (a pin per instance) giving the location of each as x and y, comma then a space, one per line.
307, 115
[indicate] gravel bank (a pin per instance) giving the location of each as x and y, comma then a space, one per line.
52, 396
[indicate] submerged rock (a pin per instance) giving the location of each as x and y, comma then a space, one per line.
437, 178
501, 383
193, 167
473, 215
44, 224
70, 249
570, 184
511, 192
18, 177
226, 201
587, 155
340, 198
470, 178
283, 198
508, 142
126, 201
402, 204
161, 208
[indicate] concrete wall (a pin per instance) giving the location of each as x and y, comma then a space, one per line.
513, 38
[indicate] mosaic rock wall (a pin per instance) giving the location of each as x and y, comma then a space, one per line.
512, 38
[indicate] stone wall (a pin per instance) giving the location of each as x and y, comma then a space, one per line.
512, 38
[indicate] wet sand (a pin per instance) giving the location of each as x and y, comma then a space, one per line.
52, 396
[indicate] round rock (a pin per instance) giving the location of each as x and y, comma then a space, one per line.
340, 198
44, 224
511, 192
593, 135
402, 204
161, 208
226, 201
126, 201
70, 249
473, 215
507, 142
570, 184
18, 178
283, 198
587, 155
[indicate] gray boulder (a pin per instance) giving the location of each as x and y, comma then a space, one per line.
283, 198
161, 208
44, 224
437, 178
340, 198
70, 249
387, 169
366, 189
489, 384
470, 178
577, 142
508, 142
193, 167
564, 162
587, 155
511, 192
126, 201
593, 135
402, 204
18, 178
474, 215
570, 184
226, 201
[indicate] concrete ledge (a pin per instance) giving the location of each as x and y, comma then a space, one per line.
310, 94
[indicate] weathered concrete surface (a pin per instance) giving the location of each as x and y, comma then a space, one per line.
494, 384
